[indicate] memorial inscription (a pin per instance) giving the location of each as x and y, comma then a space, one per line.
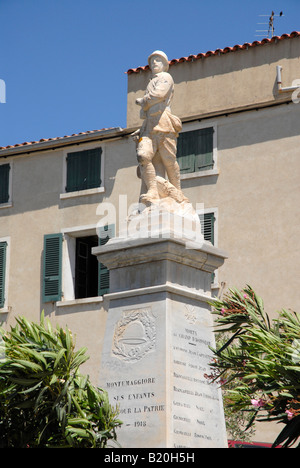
137, 400
154, 390
195, 419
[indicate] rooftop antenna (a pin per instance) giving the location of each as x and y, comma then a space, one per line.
270, 24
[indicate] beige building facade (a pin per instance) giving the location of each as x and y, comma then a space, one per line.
244, 169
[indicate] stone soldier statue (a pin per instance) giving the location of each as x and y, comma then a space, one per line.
159, 132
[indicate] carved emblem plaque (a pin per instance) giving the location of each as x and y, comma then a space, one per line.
135, 335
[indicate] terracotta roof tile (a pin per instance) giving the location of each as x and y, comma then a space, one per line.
226, 50
42, 140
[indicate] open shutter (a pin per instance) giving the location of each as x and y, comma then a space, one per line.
83, 170
3, 247
207, 221
106, 233
52, 267
4, 183
204, 149
186, 152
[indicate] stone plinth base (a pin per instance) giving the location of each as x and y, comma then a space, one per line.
156, 350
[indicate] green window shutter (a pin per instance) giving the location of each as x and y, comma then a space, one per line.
186, 152
4, 183
207, 221
3, 248
83, 170
52, 267
204, 149
73, 172
94, 167
207, 226
106, 233
195, 150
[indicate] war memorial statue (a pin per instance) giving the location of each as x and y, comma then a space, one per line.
159, 330
157, 138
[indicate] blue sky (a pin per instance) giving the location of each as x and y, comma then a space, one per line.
64, 61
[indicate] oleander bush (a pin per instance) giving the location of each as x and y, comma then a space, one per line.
258, 365
44, 399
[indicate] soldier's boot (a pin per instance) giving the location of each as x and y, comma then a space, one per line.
149, 176
173, 172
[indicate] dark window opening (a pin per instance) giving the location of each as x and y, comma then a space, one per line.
86, 268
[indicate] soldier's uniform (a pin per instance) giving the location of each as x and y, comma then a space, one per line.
159, 131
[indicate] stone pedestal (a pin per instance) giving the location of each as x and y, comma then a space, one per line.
156, 350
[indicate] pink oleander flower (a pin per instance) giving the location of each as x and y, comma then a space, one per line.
290, 415
245, 296
223, 311
258, 403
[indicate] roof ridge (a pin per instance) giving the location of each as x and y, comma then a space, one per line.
226, 50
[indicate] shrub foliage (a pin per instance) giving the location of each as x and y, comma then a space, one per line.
44, 400
259, 364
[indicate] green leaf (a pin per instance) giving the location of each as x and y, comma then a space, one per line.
53, 379
78, 432
23, 381
50, 355
31, 389
28, 365
35, 354
79, 358
78, 421
40, 396
289, 434
61, 353
286, 394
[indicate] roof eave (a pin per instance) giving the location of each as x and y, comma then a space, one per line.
54, 143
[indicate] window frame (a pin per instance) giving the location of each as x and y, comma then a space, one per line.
69, 265
194, 126
9, 203
80, 193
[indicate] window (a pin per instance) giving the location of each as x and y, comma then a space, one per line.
86, 268
83, 170
195, 150
4, 183
73, 267
3, 256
